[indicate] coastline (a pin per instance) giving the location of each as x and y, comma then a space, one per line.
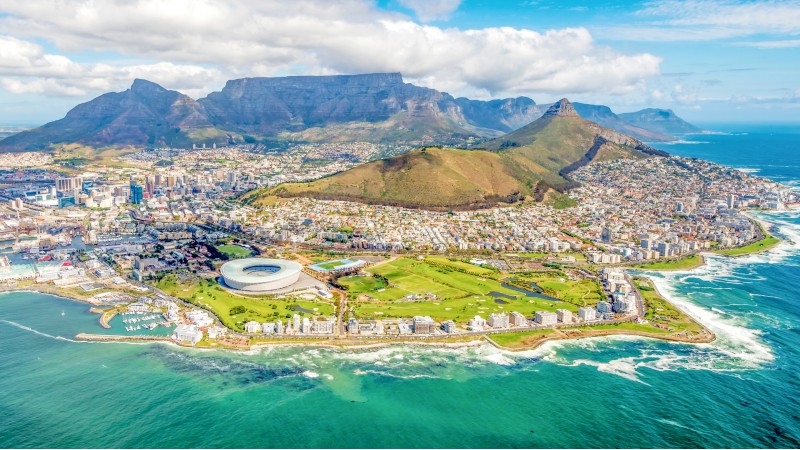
565, 334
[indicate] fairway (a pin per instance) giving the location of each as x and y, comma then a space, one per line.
458, 296
357, 284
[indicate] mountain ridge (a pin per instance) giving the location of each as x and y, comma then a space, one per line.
368, 107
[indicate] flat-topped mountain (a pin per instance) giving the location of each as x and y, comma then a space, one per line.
529, 163
372, 107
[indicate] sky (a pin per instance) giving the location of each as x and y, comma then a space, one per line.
708, 60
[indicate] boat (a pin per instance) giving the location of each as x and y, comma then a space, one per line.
62, 312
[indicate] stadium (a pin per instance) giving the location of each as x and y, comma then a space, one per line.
260, 274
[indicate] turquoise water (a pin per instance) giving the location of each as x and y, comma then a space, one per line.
741, 391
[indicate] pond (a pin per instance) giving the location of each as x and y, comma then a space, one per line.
528, 293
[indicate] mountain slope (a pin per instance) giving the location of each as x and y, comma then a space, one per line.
372, 107
659, 120
602, 115
527, 163
144, 114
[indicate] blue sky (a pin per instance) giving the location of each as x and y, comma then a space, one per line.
709, 60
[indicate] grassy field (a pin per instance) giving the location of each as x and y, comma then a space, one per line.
460, 266
331, 264
360, 284
660, 311
520, 339
581, 292
685, 263
759, 246
459, 296
209, 294
234, 251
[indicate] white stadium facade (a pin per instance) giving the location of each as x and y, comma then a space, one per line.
260, 274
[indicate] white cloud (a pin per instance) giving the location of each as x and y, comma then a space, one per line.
688, 20
428, 10
25, 68
787, 43
241, 38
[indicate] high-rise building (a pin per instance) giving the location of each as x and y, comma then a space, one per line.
424, 325
564, 315
498, 320
587, 314
449, 327
68, 184
517, 320
546, 318
603, 307
137, 193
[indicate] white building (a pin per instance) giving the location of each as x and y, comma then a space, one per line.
200, 318
424, 325
252, 327
268, 327
477, 323
624, 303
587, 314
323, 326
564, 315
187, 333
449, 327
498, 321
305, 326
216, 332
546, 318
518, 320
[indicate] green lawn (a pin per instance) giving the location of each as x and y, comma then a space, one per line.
234, 251
360, 284
460, 296
685, 263
331, 264
460, 266
580, 292
759, 246
520, 339
209, 294
660, 311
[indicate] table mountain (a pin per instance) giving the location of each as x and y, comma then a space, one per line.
372, 107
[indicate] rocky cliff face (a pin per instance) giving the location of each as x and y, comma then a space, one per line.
373, 107
504, 115
267, 106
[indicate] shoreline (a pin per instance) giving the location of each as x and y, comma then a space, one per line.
704, 256
568, 334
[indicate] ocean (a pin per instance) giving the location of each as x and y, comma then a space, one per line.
741, 391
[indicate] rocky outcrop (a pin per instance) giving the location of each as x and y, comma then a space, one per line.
561, 108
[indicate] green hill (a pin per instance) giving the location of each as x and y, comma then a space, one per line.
529, 164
